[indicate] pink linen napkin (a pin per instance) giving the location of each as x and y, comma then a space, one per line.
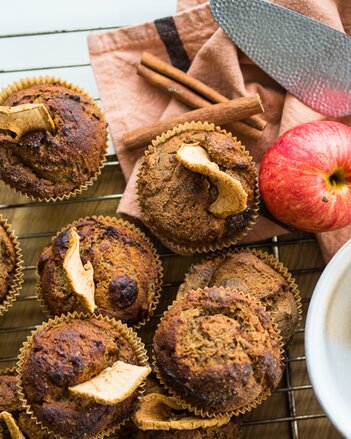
192, 41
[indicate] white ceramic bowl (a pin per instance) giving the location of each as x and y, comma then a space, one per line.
328, 340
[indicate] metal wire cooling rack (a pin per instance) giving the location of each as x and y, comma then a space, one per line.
291, 412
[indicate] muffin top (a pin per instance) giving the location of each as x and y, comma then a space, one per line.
230, 430
45, 165
162, 412
175, 200
7, 263
10, 402
218, 351
126, 270
68, 353
251, 275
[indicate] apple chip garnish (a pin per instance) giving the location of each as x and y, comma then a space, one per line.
11, 425
80, 277
114, 384
22, 119
231, 195
158, 412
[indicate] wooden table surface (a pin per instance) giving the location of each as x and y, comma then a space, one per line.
51, 39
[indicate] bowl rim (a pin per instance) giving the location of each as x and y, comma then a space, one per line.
315, 335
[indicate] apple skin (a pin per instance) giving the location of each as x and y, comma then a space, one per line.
295, 177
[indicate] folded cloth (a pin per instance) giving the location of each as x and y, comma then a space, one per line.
192, 41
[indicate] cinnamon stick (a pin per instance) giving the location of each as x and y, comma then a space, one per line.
193, 100
166, 69
223, 113
194, 84
171, 87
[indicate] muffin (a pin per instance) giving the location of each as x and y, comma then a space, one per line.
230, 430
10, 402
69, 351
176, 202
255, 273
217, 352
50, 166
153, 409
11, 276
127, 272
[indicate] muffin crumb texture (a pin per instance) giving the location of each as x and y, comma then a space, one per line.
218, 351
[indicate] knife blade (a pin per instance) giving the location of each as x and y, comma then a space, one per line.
308, 58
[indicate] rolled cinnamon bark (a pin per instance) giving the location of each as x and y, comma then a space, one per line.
219, 114
199, 88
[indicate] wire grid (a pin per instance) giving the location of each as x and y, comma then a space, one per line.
274, 246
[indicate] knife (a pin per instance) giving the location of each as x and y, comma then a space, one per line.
309, 59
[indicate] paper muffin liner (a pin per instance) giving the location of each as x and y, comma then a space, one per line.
207, 413
17, 280
113, 220
270, 260
127, 333
38, 80
218, 244
8, 371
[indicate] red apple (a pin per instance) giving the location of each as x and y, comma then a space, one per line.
305, 177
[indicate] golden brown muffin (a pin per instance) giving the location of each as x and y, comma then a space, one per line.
10, 402
248, 273
218, 351
127, 273
228, 431
7, 263
67, 353
130, 431
175, 200
44, 165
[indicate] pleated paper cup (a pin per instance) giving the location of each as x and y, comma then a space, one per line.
25, 83
127, 333
267, 258
155, 291
15, 284
8, 371
191, 248
200, 411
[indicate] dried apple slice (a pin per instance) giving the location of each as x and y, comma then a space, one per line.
80, 277
11, 425
114, 384
157, 412
24, 118
232, 197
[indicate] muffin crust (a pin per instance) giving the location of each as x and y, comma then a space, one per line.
230, 430
126, 271
251, 275
174, 200
10, 402
67, 354
45, 165
218, 351
7, 263
131, 431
